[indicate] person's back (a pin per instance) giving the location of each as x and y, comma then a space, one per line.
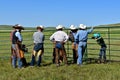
82, 35
101, 42
59, 38
81, 40
38, 37
38, 49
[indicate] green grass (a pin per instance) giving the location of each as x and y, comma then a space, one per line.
48, 71
109, 71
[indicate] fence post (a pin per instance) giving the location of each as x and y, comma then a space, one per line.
68, 44
109, 42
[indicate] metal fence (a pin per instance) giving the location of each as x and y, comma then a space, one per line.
111, 36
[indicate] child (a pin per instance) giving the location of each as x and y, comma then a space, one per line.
101, 42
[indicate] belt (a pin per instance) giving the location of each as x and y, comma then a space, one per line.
82, 41
58, 41
38, 43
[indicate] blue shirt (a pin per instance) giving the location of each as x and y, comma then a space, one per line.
82, 35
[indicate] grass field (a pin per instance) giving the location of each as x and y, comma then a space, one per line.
48, 71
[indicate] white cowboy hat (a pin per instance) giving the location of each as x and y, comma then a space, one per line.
72, 27
82, 26
59, 27
40, 27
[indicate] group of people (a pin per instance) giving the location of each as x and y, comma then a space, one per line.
78, 37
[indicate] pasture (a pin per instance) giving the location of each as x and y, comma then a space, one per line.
48, 71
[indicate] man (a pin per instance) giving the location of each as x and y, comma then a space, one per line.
59, 38
72, 39
81, 39
16, 46
38, 38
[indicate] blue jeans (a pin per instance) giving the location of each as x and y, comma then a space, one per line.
102, 53
15, 58
14, 62
19, 63
81, 49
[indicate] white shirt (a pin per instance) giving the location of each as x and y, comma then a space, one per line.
18, 35
59, 36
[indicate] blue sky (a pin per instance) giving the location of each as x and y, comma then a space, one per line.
31, 13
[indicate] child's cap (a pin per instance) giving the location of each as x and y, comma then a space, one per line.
96, 35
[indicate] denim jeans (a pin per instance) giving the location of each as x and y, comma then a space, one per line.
102, 53
81, 50
19, 63
14, 62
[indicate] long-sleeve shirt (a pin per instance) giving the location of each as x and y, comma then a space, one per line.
19, 36
101, 42
60, 36
82, 35
38, 37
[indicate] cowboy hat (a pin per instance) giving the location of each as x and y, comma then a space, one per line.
40, 27
18, 26
82, 26
59, 27
72, 27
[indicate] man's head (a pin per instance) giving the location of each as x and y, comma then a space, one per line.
18, 26
73, 28
82, 26
59, 27
40, 27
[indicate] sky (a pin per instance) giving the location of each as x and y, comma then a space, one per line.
50, 13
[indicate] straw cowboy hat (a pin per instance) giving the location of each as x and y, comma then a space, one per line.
40, 27
82, 26
18, 26
59, 27
72, 27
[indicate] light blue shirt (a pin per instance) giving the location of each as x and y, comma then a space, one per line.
82, 35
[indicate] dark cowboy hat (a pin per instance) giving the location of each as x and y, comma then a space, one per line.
17, 26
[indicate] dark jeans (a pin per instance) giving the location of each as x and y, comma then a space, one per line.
102, 54
33, 61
